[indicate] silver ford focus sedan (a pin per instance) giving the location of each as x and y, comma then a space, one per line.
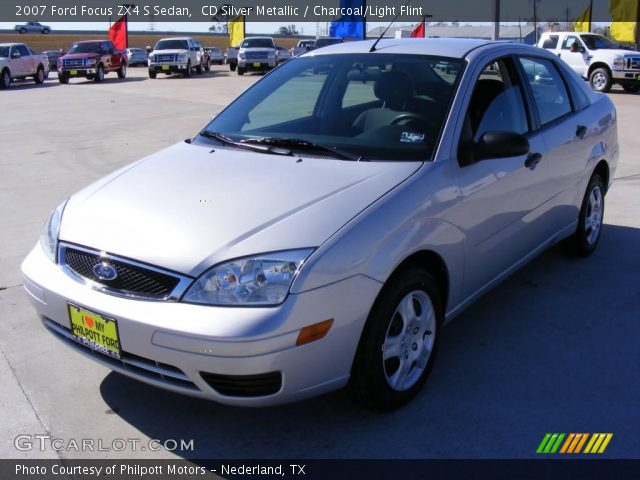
321, 229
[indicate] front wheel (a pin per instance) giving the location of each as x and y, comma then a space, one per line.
5, 79
399, 341
63, 79
585, 239
207, 66
632, 88
233, 66
600, 80
152, 73
39, 76
122, 71
99, 74
240, 71
187, 72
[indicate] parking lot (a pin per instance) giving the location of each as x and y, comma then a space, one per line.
553, 349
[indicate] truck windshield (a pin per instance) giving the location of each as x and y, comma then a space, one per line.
369, 106
4, 51
257, 43
86, 48
598, 42
172, 45
325, 42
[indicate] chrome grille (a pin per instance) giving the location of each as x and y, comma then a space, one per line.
74, 62
133, 279
257, 56
633, 63
165, 58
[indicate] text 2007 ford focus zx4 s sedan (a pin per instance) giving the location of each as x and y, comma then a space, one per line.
322, 228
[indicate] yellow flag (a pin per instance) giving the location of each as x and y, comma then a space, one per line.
582, 23
622, 11
236, 30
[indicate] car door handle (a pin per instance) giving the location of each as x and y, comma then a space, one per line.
581, 131
532, 160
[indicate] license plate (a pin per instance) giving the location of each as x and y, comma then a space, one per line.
165, 67
638, 77
95, 331
73, 72
256, 64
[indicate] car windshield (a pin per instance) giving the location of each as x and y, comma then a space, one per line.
308, 43
372, 106
86, 48
4, 51
172, 45
598, 42
136, 50
257, 43
325, 42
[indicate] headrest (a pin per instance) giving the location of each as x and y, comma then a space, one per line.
393, 88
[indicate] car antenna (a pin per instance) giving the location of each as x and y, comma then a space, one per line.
373, 47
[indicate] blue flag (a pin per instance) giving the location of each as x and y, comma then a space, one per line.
350, 26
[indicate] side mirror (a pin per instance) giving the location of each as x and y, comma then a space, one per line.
149, 49
494, 145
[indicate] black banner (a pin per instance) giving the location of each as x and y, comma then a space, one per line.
461, 11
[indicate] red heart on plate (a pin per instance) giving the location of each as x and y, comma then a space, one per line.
88, 321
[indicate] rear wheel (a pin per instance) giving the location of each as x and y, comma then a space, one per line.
585, 239
99, 74
122, 72
5, 79
600, 80
23, 30
39, 77
46, 31
632, 88
399, 341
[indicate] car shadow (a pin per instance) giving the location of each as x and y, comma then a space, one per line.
29, 84
107, 80
545, 350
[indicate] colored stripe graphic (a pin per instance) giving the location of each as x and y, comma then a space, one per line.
574, 443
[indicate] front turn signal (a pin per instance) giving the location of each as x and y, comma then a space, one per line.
313, 332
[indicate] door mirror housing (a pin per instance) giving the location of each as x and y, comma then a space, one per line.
494, 145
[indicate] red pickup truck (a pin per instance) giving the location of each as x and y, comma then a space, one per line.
92, 59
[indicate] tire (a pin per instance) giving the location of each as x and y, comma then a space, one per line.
5, 79
199, 69
23, 30
233, 66
99, 77
39, 76
404, 321
240, 71
63, 79
632, 88
187, 72
600, 80
207, 66
122, 71
46, 31
585, 239
152, 73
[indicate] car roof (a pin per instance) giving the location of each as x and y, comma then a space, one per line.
441, 47
91, 41
176, 38
10, 44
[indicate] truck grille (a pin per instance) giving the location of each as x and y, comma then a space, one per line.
256, 56
74, 62
165, 58
633, 63
132, 280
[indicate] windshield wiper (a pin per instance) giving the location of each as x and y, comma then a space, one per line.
300, 144
222, 138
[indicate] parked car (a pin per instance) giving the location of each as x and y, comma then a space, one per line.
326, 41
596, 58
17, 62
231, 57
282, 54
92, 59
342, 229
215, 55
256, 54
303, 46
32, 27
137, 56
53, 56
177, 55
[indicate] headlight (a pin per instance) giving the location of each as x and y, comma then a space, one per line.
619, 63
91, 61
241, 56
49, 233
183, 57
272, 56
258, 280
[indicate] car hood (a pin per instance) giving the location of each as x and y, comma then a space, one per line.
257, 49
80, 55
189, 207
175, 51
610, 53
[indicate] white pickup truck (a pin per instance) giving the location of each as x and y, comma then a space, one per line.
257, 54
17, 61
596, 58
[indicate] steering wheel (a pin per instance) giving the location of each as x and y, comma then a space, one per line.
412, 117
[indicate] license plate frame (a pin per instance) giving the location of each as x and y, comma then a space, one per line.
165, 67
95, 331
256, 64
73, 72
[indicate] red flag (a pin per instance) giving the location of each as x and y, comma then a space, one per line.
118, 33
419, 31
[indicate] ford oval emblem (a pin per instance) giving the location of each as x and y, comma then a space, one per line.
104, 271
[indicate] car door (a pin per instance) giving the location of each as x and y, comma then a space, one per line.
575, 54
500, 200
566, 126
21, 64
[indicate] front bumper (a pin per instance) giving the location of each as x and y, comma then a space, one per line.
171, 344
164, 68
76, 72
256, 65
627, 76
